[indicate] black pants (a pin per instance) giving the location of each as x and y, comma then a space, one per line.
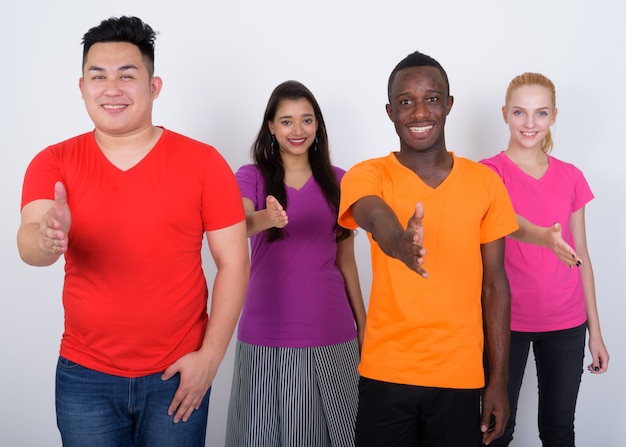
403, 415
559, 359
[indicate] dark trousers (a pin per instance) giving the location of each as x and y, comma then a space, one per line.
404, 415
559, 360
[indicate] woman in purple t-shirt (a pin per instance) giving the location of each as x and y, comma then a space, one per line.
295, 376
553, 301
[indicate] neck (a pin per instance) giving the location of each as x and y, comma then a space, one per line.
532, 155
296, 163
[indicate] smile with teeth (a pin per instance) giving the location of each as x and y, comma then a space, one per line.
529, 134
420, 129
297, 140
113, 106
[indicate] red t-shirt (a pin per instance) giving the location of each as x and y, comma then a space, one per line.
135, 295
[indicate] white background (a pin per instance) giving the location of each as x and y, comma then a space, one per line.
220, 61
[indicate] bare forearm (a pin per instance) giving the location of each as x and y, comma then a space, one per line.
229, 289
496, 318
30, 249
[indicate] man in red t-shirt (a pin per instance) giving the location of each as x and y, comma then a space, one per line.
128, 206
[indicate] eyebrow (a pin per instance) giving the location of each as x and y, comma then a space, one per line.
538, 108
122, 68
289, 116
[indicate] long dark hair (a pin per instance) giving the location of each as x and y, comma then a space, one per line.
271, 164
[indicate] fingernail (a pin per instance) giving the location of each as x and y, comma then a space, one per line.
596, 368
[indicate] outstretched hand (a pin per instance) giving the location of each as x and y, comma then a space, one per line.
276, 212
411, 251
554, 241
55, 224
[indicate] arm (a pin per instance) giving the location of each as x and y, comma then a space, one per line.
549, 237
599, 353
229, 248
373, 215
346, 264
45, 224
272, 216
496, 302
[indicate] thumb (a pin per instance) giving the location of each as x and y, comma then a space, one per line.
419, 211
60, 195
557, 227
169, 372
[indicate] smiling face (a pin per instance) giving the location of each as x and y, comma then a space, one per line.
117, 88
294, 127
529, 113
418, 107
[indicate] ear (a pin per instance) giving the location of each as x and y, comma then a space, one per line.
270, 126
449, 104
81, 81
504, 114
389, 111
156, 84
554, 116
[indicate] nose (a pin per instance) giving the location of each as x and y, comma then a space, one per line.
529, 120
296, 128
420, 110
112, 87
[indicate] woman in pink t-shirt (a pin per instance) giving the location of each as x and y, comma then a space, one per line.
553, 300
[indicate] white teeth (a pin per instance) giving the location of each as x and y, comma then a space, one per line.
114, 106
529, 134
420, 129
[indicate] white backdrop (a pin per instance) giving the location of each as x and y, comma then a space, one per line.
220, 61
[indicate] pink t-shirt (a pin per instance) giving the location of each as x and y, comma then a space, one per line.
546, 295
135, 295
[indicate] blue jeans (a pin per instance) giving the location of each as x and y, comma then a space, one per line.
100, 410
559, 359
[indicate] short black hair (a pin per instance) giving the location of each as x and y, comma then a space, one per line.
417, 59
123, 29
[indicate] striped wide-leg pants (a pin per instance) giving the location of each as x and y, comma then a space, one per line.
293, 397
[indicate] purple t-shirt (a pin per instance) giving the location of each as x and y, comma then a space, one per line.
296, 296
546, 295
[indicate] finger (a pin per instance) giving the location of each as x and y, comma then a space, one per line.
60, 195
419, 211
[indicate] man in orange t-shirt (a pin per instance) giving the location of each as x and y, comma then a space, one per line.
422, 359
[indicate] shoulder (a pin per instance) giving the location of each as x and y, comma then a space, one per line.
475, 168
339, 172
374, 163
563, 165
182, 142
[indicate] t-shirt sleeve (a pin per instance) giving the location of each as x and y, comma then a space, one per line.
225, 206
248, 178
499, 220
583, 194
41, 175
361, 180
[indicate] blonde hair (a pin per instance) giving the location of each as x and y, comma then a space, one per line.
535, 79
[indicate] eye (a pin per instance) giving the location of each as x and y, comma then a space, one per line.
432, 99
517, 112
543, 113
308, 121
285, 122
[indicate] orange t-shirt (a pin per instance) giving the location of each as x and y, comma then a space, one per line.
428, 332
